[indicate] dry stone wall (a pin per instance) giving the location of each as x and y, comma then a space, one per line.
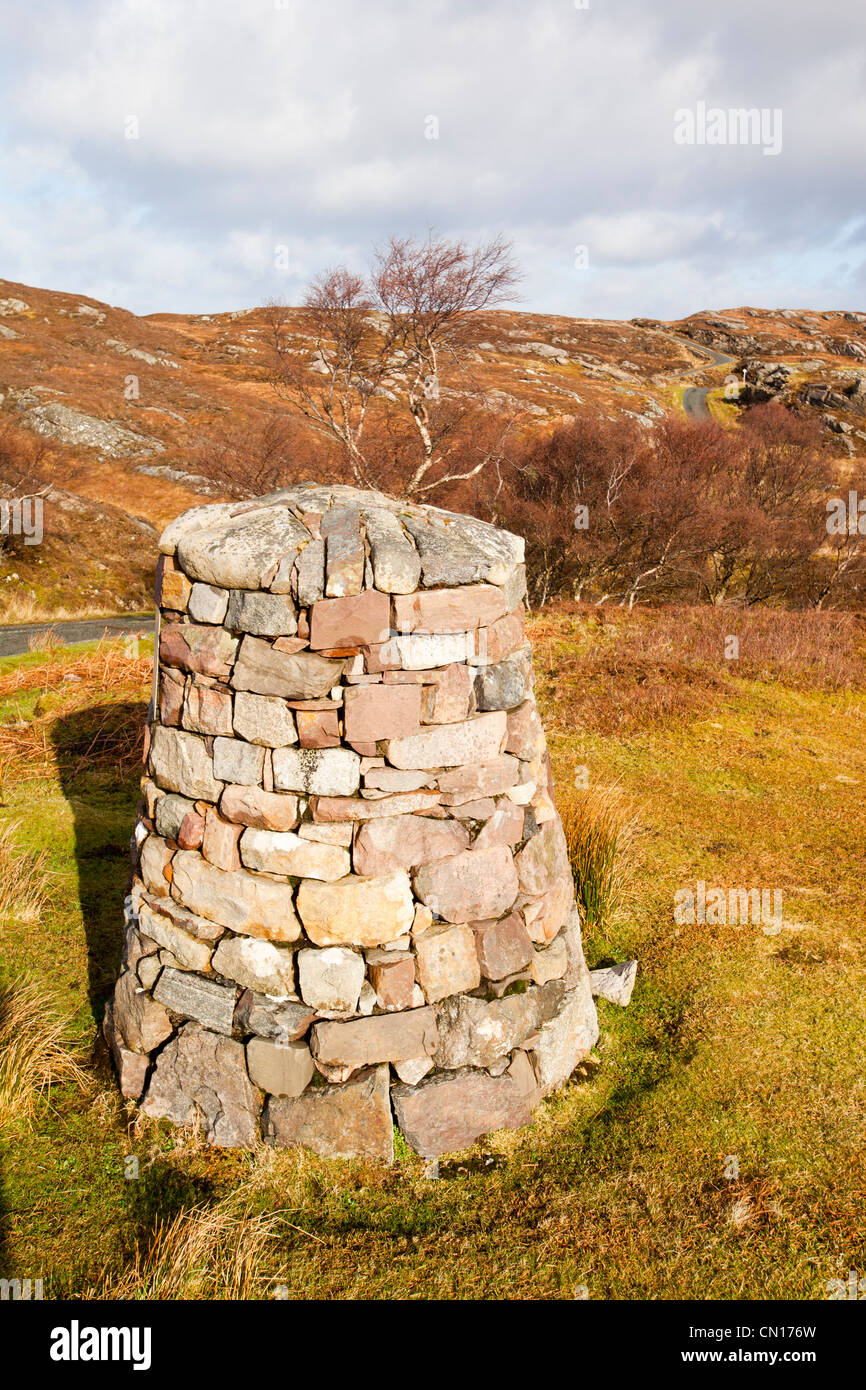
351, 903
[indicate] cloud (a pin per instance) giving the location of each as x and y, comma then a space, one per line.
269, 124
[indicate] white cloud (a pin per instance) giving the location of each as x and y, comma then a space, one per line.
305, 126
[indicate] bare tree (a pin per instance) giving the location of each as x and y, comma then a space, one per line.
379, 346
266, 451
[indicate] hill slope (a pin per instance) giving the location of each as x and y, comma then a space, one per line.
125, 417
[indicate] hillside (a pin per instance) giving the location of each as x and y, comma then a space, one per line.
126, 417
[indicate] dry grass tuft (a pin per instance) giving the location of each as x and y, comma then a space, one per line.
217, 1252
101, 681
24, 879
599, 827
35, 1050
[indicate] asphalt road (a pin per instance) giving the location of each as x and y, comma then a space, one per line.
695, 397
695, 402
16, 640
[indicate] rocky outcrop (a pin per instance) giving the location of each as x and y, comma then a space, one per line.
352, 899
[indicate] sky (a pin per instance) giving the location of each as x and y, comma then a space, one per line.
201, 156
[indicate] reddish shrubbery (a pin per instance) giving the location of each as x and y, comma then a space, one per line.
685, 512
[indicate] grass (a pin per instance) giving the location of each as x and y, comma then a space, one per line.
204, 1251
716, 1153
34, 1050
23, 880
597, 830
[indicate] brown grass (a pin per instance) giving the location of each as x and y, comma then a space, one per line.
23, 879
217, 1252
606, 670
104, 681
35, 1051
599, 828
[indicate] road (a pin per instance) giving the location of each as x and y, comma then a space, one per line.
695, 397
16, 640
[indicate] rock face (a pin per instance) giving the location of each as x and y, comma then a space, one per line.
352, 900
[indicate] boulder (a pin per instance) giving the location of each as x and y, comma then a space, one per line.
357, 911
279, 1021
207, 650
219, 843
141, 1023
448, 1113
449, 610
543, 860
170, 812
352, 1120
238, 762
374, 712
317, 772
180, 762
263, 669
201, 1078
476, 1032
207, 604
281, 1069
480, 780
154, 863
345, 556
350, 622
615, 982
209, 1003
396, 566
503, 946
241, 552
447, 700
471, 886
281, 852
260, 809
132, 1067
264, 615
566, 1039
361, 1042
447, 962
190, 952
502, 685
206, 711
461, 550
264, 719
402, 842
330, 980
450, 745
256, 964
242, 901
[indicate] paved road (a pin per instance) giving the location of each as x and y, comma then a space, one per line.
695, 402
695, 397
15, 640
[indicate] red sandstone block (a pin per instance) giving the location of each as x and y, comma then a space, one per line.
373, 712
449, 610
191, 831
318, 728
220, 841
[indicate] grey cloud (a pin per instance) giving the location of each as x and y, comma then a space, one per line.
306, 125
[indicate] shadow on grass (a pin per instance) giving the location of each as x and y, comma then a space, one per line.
99, 771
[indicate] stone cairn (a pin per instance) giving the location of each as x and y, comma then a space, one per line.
352, 902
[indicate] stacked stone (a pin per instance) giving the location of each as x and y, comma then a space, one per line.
352, 901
